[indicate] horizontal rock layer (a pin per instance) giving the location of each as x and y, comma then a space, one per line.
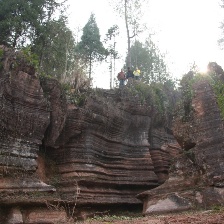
24, 115
57, 154
103, 153
196, 175
24, 118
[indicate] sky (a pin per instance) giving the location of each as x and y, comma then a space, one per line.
187, 31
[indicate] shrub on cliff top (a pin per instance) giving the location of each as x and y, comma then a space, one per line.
30, 57
159, 96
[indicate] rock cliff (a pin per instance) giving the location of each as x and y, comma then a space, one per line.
196, 175
58, 159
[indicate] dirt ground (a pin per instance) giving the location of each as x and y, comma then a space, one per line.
204, 217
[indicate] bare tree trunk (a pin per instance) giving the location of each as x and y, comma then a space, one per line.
128, 34
111, 72
42, 54
90, 66
114, 61
66, 58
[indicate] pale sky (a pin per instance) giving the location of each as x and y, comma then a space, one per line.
187, 30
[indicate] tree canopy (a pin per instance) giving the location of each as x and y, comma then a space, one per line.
131, 11
150, 61
90, 48
33, 24
40, 27
22, 21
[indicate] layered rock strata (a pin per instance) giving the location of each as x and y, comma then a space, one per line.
196, 176
56, 157
24, 118
103, 152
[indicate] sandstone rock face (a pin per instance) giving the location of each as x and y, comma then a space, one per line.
24, 114
206, 130
58, 110
57, 158
103, 155
24, 118
15, 216
196, 175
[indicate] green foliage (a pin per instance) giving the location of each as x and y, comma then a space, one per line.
187, 83
30, 57
186, 87
110, 51
43, 76
159, 96
21, 21
153, 94
131, 11
150, 61
90, 48
34, 27
56, 50
74, 96
142, 91
219, 91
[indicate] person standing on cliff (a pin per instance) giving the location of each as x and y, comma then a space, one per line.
129, 73
121, 78
137, 73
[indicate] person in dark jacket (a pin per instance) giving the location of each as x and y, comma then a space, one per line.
129, 73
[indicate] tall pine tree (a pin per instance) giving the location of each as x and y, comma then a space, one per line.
90, 48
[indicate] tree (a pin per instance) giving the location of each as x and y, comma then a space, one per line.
90, 48
111, 38
132, 12
56, 49
35, 27
194, 68
150, 61
21, 21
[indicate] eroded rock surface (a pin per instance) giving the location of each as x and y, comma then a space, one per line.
24, 118
196, 176
56, 155
104, 154
58, 159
